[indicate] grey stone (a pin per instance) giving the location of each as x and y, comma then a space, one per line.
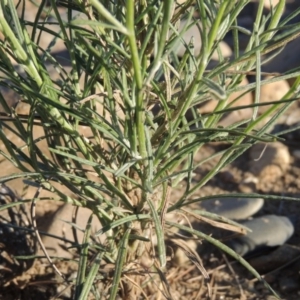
234, 208
267, 231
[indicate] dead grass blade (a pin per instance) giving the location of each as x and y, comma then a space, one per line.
195, 259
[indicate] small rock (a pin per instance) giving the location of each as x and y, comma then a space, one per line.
269, 160
234, 208
248, 185
269, 175
272, 92
267, 231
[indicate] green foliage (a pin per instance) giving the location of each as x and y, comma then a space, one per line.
131, 93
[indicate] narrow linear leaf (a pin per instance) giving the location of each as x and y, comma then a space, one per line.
82, 265
214, 88
119, 265
91, 277
122, 221
160, 235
